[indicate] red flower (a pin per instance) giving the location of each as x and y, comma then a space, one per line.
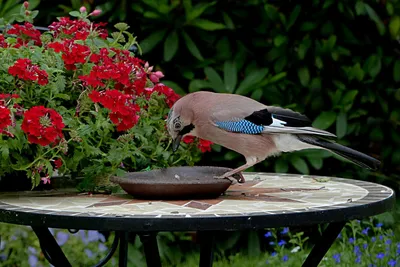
58, 163
42, 125
171, 96
204, 145
57, 46
25, 70
123, 110
188, 139
74, 53
25, 33
5, 118
3, 41
77, 29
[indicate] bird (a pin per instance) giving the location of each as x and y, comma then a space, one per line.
252, 129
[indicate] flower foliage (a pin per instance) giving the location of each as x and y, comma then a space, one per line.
75, 101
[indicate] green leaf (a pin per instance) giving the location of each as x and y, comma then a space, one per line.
277, 77
374, 16
304, 76
341, 125
171, 46
75, 13
215, 80
4, 151
324, 120
121, 26
197, 10
280, 40
250, 80
196, 85
396, 71
207, 25
281, 166
299, 164
349, 97
394, 26
152, 40
316, 163
271, 11
192, 47
228, 21
373, 65
293, 16
230, 76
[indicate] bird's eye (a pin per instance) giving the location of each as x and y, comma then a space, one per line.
177, 125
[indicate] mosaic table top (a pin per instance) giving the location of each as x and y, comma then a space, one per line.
263, 194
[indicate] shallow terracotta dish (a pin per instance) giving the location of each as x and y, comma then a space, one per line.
176, 183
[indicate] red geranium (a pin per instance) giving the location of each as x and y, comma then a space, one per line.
123, 110
25, 70
5, 118
25, 33
42, 125
205, 145
171, 96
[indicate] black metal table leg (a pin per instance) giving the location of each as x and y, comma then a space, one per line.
123, 249
50, 247
323, 244
149, 241
207, 241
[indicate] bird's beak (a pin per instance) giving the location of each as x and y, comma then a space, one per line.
176, 142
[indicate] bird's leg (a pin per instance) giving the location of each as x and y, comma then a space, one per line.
251, 161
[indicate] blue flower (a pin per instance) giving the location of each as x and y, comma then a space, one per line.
282, 242
357, 250
380, 255
365, 246
32, 250
89, 253
102, 247
392, 262
93, 236
351, 240
285, 258
339, 235
33, 260
336, 257
381, 237
358, 259
268, 234
274, 253
62, 238
272, 243
365, 231
388, 242
379, 225
82, 233
373, 239
285, 230
3, 257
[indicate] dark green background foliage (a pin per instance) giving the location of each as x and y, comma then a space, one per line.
335, 61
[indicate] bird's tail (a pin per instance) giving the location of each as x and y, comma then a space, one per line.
354, 156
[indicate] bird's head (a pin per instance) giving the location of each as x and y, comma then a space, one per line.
179, 122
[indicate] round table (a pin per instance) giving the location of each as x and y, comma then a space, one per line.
265, 200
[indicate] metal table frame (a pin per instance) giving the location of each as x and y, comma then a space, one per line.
379, 199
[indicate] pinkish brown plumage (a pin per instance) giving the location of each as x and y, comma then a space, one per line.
250, 128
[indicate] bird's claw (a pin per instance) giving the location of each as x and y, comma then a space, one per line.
230, 178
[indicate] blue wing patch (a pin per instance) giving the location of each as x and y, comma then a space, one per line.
242, 126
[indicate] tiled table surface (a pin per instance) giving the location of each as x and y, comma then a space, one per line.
262, 193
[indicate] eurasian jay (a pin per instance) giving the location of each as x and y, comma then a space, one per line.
252, 129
